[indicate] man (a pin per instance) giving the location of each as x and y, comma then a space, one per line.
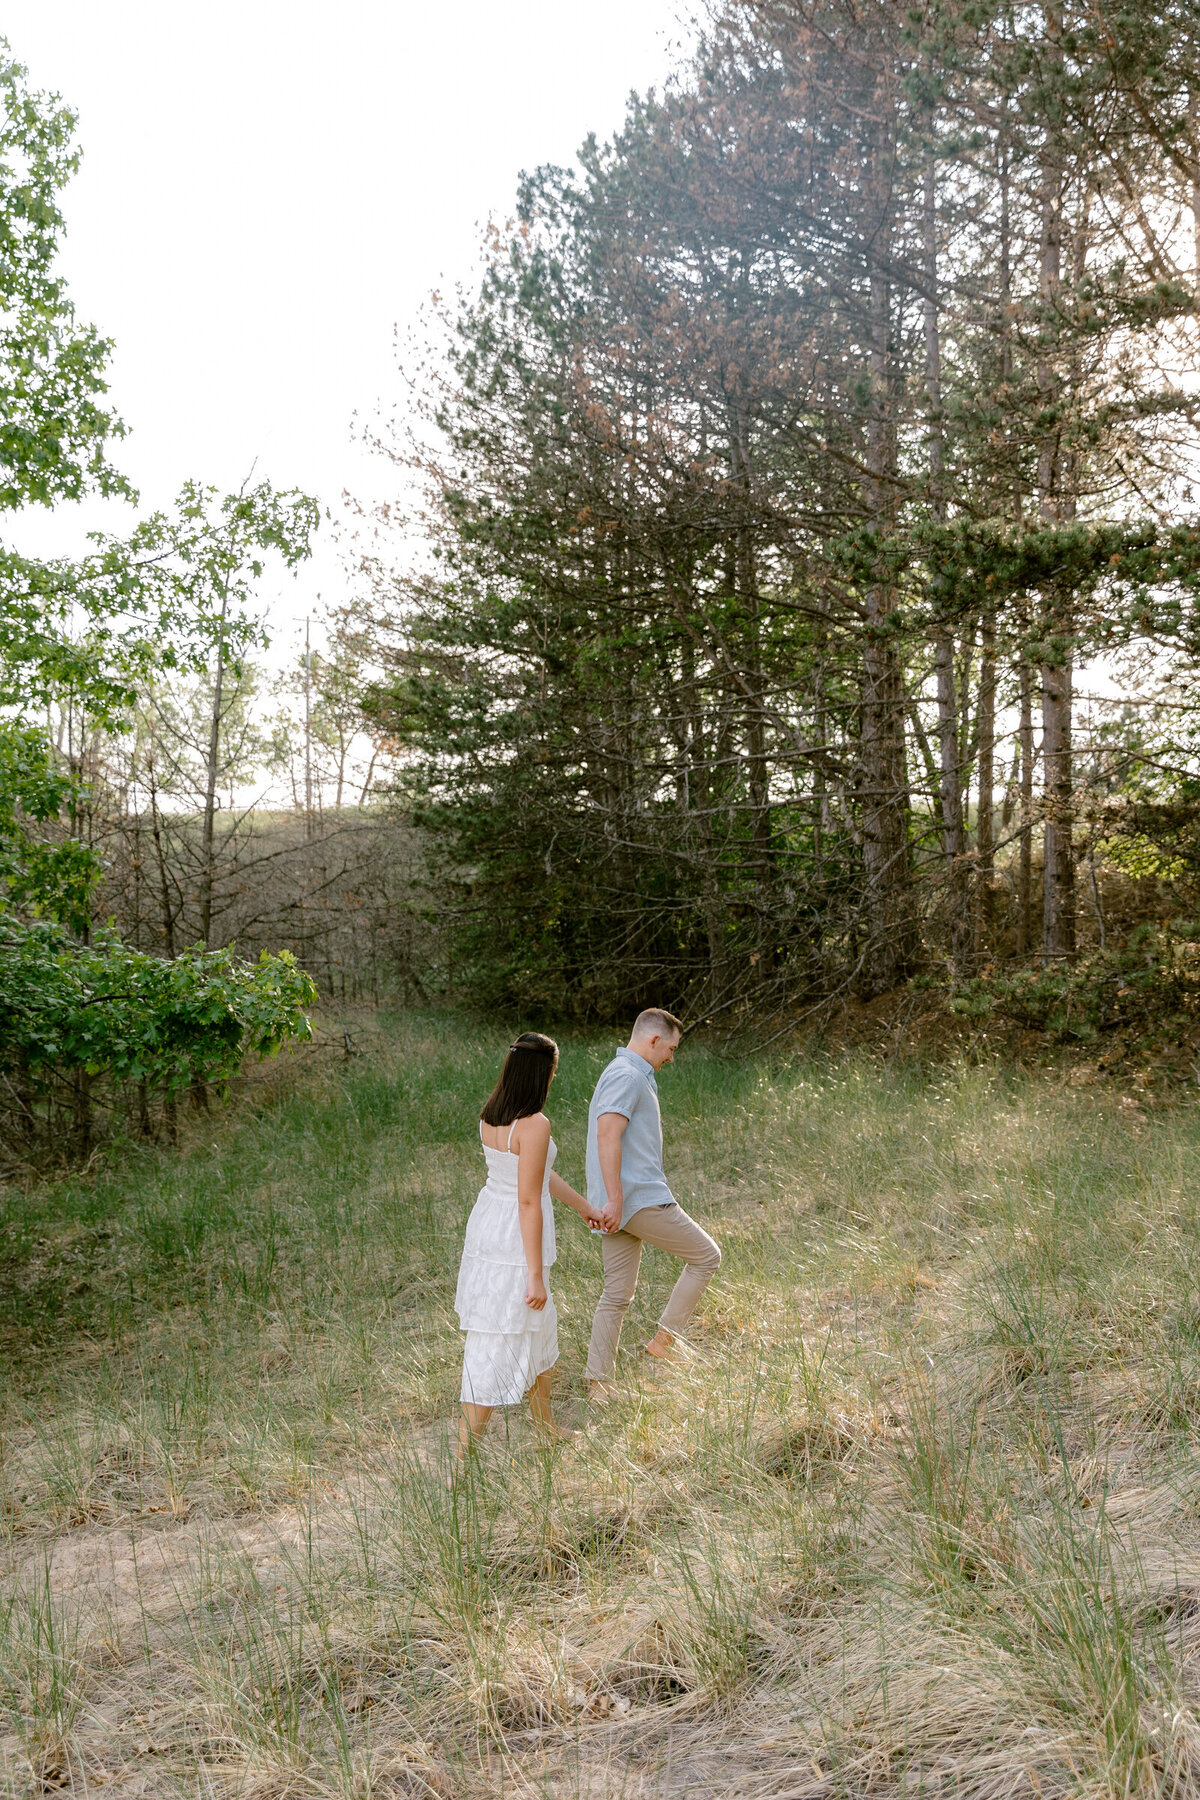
626, 1183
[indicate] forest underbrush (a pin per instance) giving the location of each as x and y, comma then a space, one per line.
920, 1516
1128, 1014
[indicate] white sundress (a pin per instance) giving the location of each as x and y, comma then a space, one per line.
508, 1344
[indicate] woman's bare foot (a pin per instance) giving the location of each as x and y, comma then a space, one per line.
553, 1433
472, 1423
460, 1465
602, 1393
543, 1416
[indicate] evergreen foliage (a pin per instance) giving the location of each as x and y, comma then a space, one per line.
794, 454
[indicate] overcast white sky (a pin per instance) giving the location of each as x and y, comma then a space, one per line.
269, 186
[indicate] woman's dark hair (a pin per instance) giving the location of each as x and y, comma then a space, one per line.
524, 1080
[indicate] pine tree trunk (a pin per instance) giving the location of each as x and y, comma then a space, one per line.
746, 582
986, 842
1058, 875
954, 848
889, 954
1025, 742
757, 768
949, 762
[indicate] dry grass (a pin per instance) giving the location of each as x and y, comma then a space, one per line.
922, 1519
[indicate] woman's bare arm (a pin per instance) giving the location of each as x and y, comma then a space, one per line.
561, 1190
533, 1145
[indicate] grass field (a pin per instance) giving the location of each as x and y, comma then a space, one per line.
924, 1518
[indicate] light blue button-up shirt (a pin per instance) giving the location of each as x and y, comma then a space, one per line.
628, 1087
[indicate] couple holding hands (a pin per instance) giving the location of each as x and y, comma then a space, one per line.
503, 1302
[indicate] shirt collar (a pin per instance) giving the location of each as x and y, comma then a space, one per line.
639, 1063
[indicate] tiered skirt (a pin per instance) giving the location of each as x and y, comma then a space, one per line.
508, 1344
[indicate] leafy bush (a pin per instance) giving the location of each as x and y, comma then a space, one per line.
70, 1012
42, 871
105, 1007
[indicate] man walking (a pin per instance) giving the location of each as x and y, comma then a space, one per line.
625, 1181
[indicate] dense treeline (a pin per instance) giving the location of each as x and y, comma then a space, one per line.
799, 451
796, 454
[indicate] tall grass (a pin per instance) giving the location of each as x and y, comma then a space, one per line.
921, 1518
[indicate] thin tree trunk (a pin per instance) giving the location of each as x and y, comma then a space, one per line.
26, 1118
1194, 119
820, 778
208, 874
168, 911
308, 780
821, 810
746, 581
1025, 740
366, 786
949, 763
756, 746
211, 774
954, 849
987, 674
83, 1114
889, 955
1058, 873
986, 840
137, 872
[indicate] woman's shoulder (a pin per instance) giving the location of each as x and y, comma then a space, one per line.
533, 1128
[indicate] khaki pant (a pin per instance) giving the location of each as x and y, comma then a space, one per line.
663, 1228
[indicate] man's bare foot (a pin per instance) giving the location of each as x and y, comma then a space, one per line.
665, 1347
602, 1393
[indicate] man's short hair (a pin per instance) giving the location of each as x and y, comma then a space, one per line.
654, 1022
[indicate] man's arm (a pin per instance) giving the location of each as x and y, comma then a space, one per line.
610, 1129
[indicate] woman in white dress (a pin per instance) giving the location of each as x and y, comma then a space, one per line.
503, 1302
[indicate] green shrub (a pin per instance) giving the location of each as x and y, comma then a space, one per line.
70, 1010
1149, 991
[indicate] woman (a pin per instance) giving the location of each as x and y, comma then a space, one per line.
503, 1302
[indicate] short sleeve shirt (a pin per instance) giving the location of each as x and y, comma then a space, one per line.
627, 1086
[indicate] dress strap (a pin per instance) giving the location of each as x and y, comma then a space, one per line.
511, 1129
481, 1136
